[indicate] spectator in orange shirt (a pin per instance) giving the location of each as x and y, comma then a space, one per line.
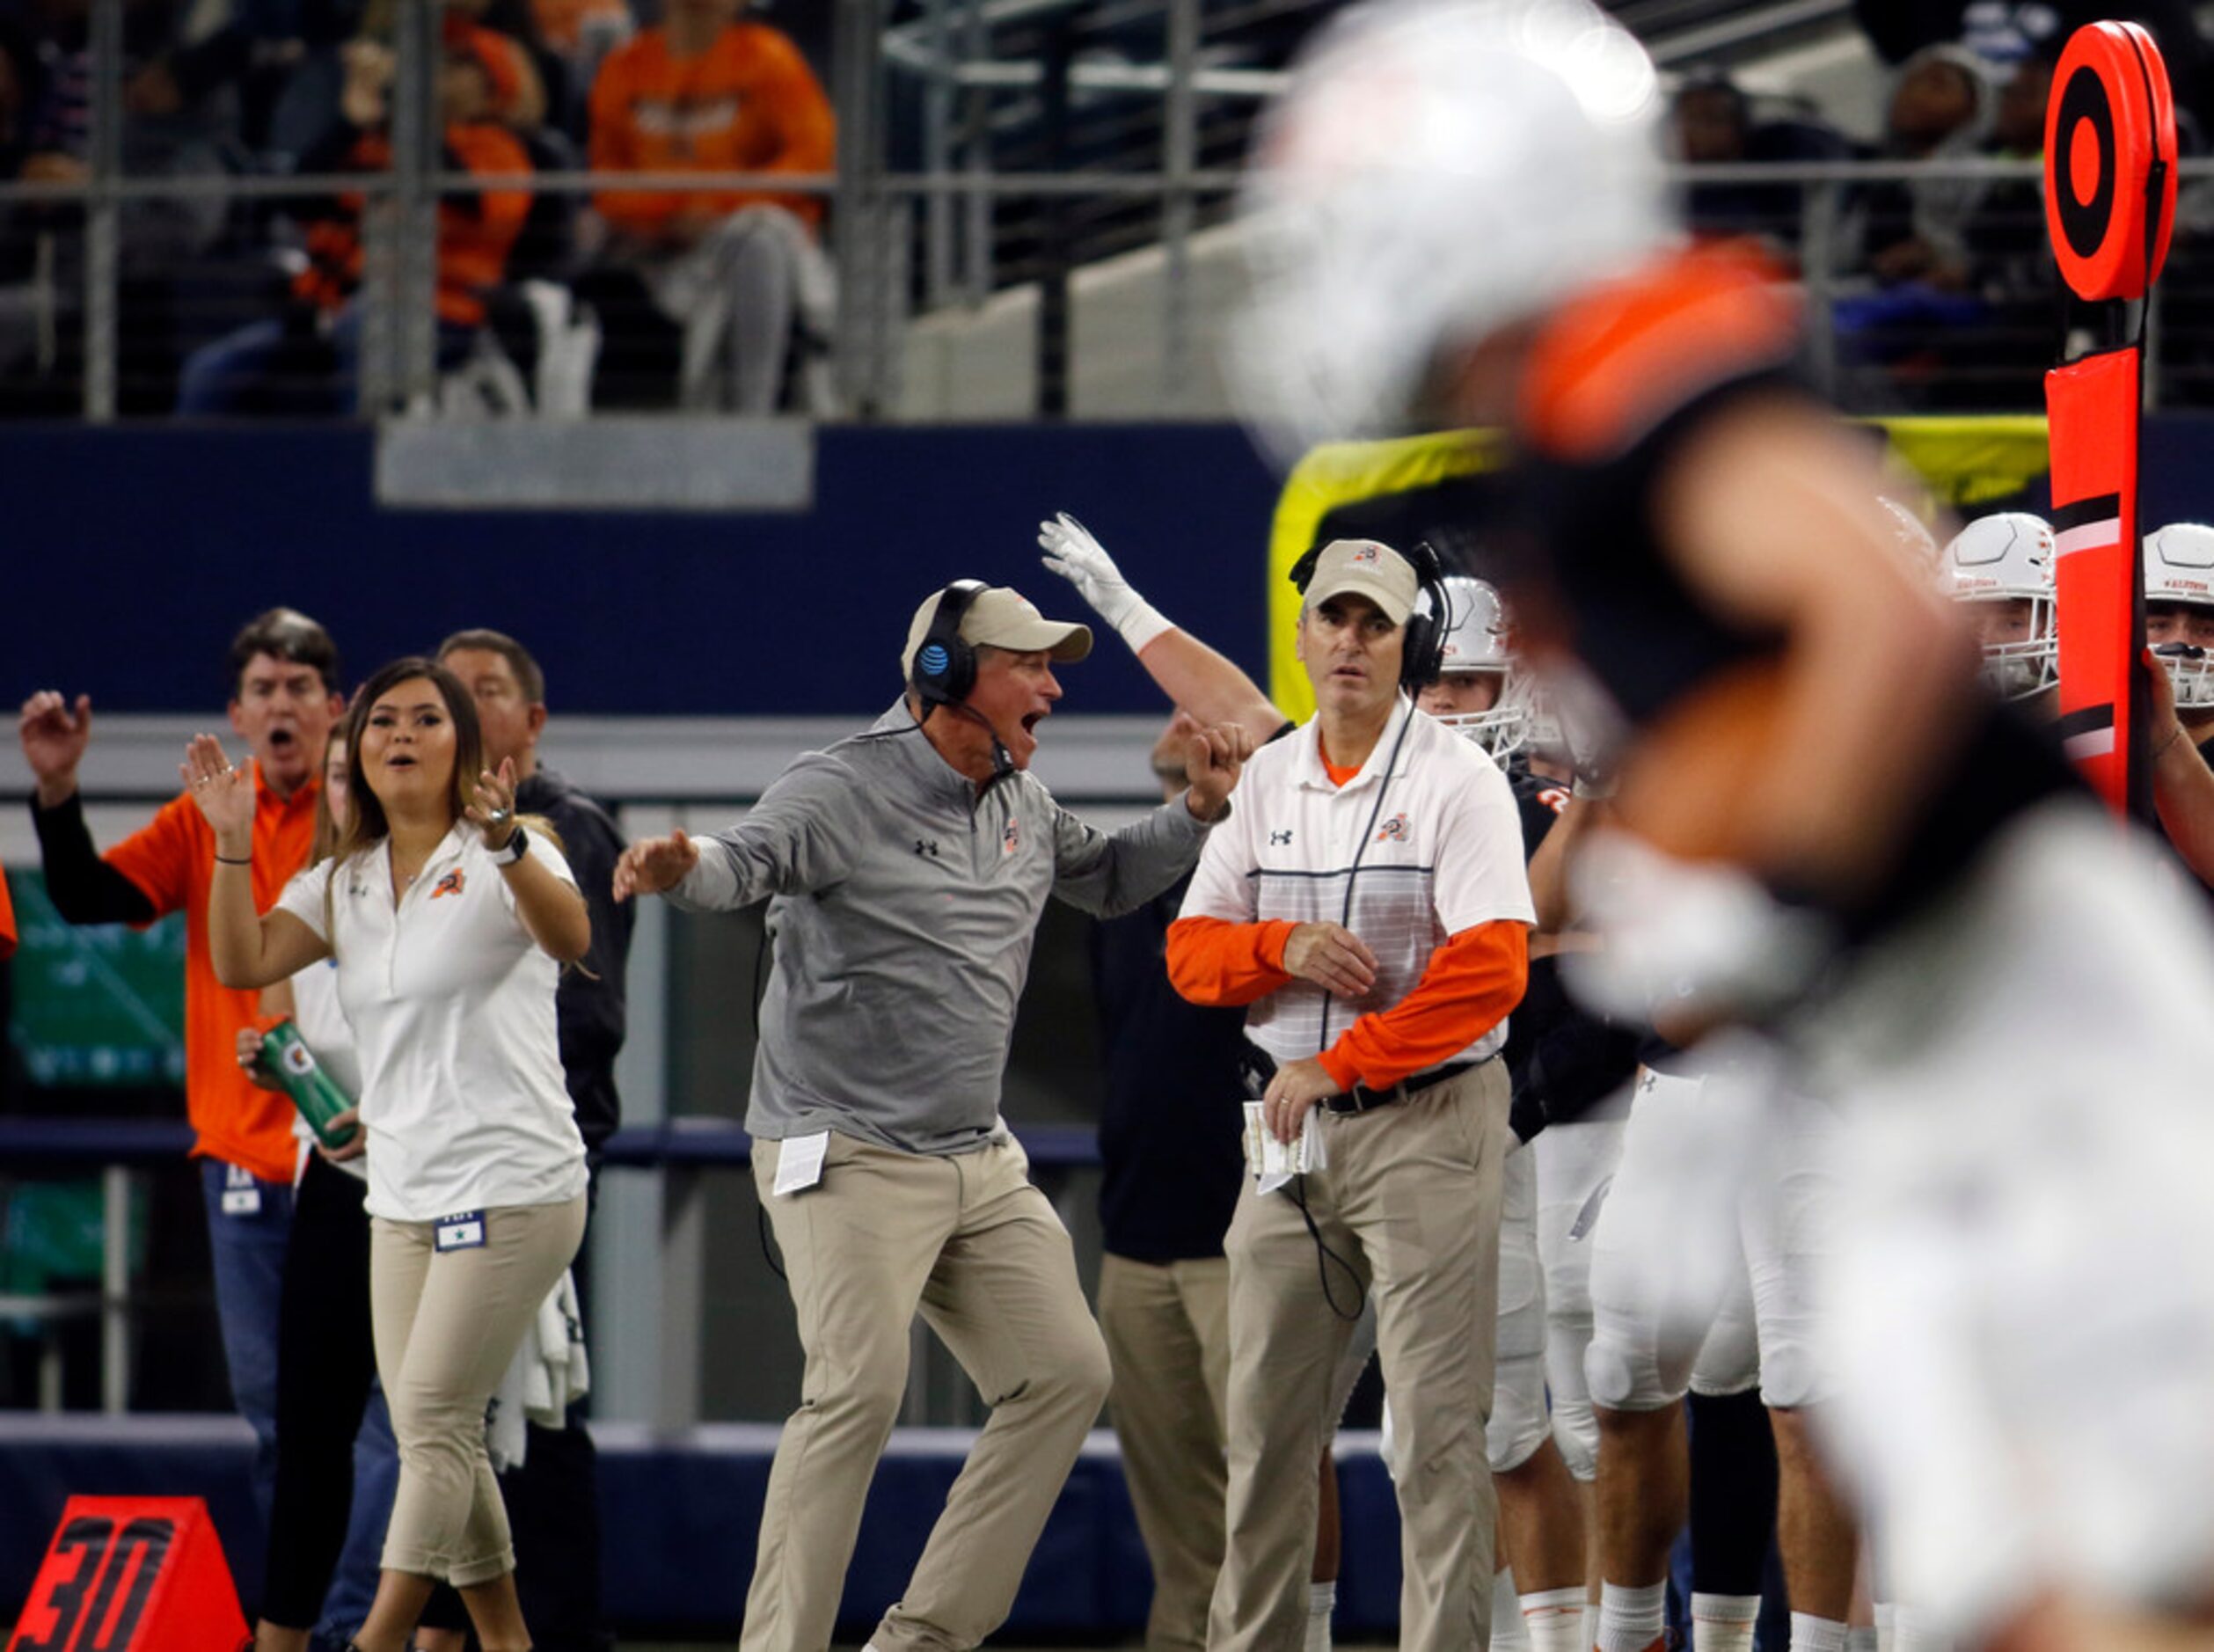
308, 361
733, 269
284, 672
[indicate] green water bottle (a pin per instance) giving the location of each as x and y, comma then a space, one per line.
313, 1090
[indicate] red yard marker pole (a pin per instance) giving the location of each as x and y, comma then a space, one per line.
2109, 208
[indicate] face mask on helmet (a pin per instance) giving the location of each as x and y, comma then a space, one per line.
2179, 568
2001, 568
1478, 646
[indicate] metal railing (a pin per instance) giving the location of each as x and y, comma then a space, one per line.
997, 251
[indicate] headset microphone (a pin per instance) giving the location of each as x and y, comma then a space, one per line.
944, 669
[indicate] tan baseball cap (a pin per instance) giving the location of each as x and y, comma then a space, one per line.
1364, 567
1001, 617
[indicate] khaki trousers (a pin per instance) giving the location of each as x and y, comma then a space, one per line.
969, 1242
447, 1325
1167, 1330
1411, 1201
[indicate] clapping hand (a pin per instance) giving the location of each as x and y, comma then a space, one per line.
224, 792
654, 865
493, 811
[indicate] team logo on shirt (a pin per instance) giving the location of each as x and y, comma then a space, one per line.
1011, 838
1394, 830
450, 884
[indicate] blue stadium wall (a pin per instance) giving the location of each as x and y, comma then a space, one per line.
131, 555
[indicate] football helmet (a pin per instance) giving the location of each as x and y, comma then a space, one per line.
2008, 557
2179, 567
1479, 642
1434, 171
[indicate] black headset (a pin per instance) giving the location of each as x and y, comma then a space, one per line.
1422, 641
944, 669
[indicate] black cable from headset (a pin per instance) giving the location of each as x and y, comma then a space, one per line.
1323, 1255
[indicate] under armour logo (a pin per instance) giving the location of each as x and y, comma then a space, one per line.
926, 846
1280, 838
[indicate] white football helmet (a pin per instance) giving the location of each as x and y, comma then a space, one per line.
1480, 641
2008, 557
2179, 567
1434, 170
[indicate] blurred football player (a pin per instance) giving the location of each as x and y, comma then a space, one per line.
1457, 213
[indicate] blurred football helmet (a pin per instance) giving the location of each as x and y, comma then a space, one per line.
1917, 544
2179, 567
2008, 557
1479, 642
1434, 171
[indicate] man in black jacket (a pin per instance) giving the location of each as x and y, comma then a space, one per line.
552, 1498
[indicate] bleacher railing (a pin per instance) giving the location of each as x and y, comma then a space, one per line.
996, 252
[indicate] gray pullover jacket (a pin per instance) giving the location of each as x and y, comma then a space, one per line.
903, 908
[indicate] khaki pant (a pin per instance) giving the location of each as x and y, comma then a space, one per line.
1411, 1201
969, 1242
1167, 1330
447, 1325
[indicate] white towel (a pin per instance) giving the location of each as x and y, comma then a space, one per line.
549, 1371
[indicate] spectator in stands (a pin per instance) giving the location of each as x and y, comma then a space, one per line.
284, 672
580, 33
2004, 31
735, 270
502, 34
476, 1168
552, 1497
308, 361
1941, 108
336, 1465
161, 239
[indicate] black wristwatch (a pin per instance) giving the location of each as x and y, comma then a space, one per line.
518, 845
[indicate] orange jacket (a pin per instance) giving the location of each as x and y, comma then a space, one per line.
7, 920
747, 104
1473, 981
171, 859
475, 233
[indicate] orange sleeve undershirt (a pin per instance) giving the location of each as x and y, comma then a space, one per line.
1473, 981
7, 919
1213, 961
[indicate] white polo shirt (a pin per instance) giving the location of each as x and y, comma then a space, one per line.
451, 1004
1439, 853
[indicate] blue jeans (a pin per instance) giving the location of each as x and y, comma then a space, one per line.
376, 1478
284, 368
246, 1250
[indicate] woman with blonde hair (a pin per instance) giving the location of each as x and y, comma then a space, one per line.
448, 920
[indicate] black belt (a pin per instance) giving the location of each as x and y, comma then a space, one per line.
1362, 1099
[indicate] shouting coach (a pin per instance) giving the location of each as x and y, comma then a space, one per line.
906, 869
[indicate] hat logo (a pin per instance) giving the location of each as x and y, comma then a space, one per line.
1366, 554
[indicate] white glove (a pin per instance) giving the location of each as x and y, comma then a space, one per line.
1077, 557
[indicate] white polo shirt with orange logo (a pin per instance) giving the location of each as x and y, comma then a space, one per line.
451, 1004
